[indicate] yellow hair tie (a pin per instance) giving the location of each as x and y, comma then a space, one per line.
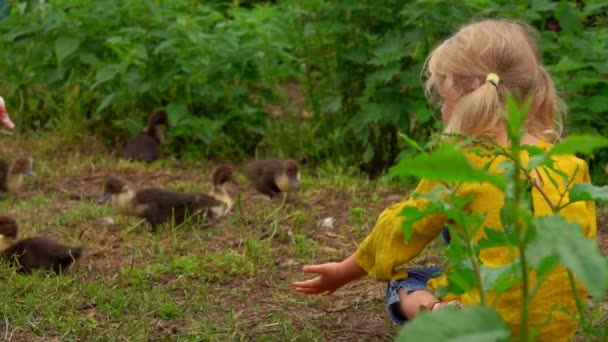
493, 78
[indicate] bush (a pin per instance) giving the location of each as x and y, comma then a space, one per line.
220, 67
103, 65
364, 62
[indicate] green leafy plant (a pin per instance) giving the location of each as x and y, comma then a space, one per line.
543, 243
219, 67
362, 64
98, 64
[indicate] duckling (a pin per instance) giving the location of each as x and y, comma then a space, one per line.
158, 206
220, 176
12, 177
5, 120
34, 253
273, 176
145, 145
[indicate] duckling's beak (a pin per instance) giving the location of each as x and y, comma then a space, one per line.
234, 181
29, 172
104, 198
295, 183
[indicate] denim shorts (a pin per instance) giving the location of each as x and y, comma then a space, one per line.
416, 280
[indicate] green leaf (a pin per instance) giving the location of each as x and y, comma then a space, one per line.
422, 112
105, 102
542, 5
497, 238
501, 279
464, 280
177, 112
579, 144
106, 73
566, 64
589, 192
411, 142
516, 117
471, 324
446, 164
64, 47
568, 17
579, 254
331, 104
368, 154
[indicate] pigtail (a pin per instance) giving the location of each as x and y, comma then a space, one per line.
477, 113
549, 110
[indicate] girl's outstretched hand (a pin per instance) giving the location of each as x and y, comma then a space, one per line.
328, 281
331, 276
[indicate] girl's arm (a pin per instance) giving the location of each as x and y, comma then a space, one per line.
381, 252
331, 277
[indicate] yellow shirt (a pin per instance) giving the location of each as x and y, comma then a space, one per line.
384, 249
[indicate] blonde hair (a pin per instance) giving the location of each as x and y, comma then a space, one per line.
458, 67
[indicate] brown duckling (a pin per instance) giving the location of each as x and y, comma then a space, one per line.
11, 177
145, 145
34, 253
273, 176
158, 206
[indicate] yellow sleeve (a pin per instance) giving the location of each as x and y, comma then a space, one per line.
591, 230
384, 248
581, 212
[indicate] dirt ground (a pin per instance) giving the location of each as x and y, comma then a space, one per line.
247, 300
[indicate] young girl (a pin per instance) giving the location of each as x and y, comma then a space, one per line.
473, 72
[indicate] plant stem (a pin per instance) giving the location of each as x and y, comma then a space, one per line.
580, 306
525, 294
476, 267
523, 328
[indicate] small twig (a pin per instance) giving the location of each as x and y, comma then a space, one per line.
540, 190
132, 261
568, 187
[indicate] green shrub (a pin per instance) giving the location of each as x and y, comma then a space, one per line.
218, 67
364, 61
103, 65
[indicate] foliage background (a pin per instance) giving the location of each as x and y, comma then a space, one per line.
240, 78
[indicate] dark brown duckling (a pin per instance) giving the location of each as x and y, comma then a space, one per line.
34, 253
273, 176
158, 206
11, 177
145, 145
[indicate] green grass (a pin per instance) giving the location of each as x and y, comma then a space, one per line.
230, 281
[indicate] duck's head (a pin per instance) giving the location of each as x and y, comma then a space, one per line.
292, 172
8, 231
158, 118
23, 166
5, 119
221, 175
113, 187
158, 123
